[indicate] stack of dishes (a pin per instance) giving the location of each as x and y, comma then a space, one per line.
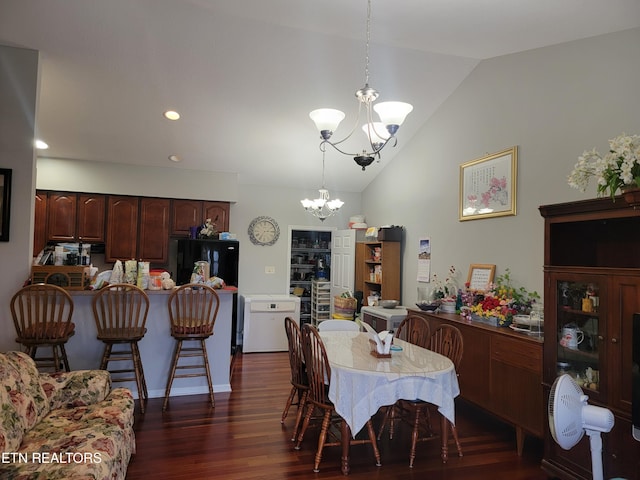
525, 324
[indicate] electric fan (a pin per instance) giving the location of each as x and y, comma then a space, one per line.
570, 417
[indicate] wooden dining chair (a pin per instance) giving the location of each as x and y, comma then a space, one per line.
42, 318
120, 312
193, 309
319, 376
413, 329
447, 340
299, 381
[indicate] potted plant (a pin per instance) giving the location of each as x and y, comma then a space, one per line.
618, 169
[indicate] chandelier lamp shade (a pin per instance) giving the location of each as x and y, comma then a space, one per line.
322, 207
379, 132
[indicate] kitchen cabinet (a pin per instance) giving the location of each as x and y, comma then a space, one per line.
379, 269
189, 213
137, 228
68, 217
122, 228
501, 372
91, 217
218, 212
592, 290
153, 243
40, 223
62, 217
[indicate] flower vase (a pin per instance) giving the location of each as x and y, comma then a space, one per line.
631, 195
448, 306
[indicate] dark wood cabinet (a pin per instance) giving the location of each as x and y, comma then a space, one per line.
189, 213
218, 212
501, 372
61, 217
40, 223
68, 217
592, 251
91, 217
129, 226
122, 228
153, 241
184, 215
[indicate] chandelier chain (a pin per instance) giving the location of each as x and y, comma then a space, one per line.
366, 57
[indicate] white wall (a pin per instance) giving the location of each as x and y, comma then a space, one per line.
553, 103
18, 87
118, 179
283, 204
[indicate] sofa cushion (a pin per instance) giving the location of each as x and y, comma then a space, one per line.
76, 388
86, 442
24, 402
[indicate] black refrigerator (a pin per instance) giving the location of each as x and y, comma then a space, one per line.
222, 256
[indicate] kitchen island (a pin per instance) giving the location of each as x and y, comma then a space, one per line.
84, 350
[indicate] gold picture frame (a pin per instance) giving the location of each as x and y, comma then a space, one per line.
480, 276
488, 186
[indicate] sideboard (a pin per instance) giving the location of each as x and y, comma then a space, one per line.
501, 372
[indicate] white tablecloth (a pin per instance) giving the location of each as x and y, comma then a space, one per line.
361, 383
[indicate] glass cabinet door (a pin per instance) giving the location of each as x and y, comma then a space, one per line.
579, 325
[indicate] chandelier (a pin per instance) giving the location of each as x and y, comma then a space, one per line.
322, 207
391, 114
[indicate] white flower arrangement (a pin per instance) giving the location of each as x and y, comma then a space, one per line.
447, 289
618, 168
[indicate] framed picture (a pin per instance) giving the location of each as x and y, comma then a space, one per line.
488, 186
480, 276
5, 203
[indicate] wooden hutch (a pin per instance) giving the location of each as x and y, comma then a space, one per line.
592, 252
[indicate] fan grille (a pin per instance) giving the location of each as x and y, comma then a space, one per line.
565, 404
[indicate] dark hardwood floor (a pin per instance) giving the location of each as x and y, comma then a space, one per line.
242, 438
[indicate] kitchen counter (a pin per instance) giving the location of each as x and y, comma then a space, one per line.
156, 348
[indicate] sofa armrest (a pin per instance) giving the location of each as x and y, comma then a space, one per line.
77, 388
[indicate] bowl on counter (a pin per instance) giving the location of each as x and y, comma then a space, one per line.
427, 306
388, 303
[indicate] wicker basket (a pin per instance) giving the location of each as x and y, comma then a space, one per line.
344, 308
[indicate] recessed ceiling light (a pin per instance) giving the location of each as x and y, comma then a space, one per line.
171, 115
40, 145
175, 158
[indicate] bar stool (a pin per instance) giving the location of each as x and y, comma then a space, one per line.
120, 312
193, 309
42, 317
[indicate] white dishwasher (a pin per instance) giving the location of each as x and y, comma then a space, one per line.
264, 322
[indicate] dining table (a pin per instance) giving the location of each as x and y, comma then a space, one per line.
362, 382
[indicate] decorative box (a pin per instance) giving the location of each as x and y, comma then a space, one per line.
67, 277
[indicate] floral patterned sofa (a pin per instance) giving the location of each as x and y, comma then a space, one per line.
62, 426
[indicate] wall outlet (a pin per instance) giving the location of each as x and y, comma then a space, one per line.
269, 269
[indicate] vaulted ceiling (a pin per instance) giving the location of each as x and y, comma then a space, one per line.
244, 74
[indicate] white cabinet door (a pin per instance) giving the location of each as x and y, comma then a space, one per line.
343, 259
